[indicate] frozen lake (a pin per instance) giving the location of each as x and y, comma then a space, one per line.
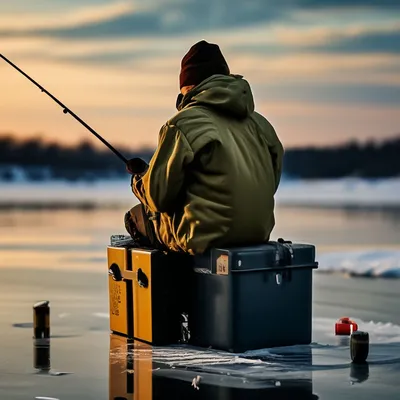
53, 240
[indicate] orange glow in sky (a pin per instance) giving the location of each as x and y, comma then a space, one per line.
308, 76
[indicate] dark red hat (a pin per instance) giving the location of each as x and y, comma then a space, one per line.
202, 61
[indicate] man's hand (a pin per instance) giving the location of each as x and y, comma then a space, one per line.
136, 166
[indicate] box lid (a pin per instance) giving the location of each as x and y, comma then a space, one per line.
272, 255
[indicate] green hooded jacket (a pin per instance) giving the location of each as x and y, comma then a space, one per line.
212, 179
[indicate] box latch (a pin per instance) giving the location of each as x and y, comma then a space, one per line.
284, 253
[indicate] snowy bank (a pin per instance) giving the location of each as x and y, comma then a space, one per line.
101, 193
347, 192
374, 263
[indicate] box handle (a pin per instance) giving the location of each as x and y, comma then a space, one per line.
142, 279
115, 272
284, 252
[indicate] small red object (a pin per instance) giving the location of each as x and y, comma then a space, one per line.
345, 326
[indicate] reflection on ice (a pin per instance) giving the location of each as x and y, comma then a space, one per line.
144, 371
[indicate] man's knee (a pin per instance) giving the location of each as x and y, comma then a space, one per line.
136, 212
129, 224
134, 221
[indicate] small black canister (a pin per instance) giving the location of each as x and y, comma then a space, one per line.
41, 320
359, 346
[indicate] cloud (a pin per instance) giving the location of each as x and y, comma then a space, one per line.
125, 32
299, 122
49, 21
361, 37
144, 18
315, 69
347, 3
375, 42
310, 63
151, 18
334, 93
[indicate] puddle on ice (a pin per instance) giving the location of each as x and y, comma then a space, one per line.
327, 352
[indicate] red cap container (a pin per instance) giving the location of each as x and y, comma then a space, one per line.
345, 326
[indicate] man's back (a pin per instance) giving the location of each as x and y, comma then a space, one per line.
224, 163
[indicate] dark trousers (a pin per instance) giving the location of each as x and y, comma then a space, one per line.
141, 229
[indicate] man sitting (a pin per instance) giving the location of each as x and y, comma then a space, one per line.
212, 179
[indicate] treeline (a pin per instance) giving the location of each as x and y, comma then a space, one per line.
41, 160
52, 160
369, 160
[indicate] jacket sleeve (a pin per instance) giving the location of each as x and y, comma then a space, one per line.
277, 151
160, 185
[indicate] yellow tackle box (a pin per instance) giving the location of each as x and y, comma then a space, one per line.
146, 294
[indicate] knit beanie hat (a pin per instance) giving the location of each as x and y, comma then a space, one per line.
202, 61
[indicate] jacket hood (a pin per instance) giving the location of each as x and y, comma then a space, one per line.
230, 94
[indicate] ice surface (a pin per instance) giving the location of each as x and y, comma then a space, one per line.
326, 352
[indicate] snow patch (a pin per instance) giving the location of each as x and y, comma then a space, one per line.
373, 263
379, 332
346, 192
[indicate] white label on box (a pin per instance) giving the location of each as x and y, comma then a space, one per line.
222, 265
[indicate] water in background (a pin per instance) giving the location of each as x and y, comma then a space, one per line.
68, 226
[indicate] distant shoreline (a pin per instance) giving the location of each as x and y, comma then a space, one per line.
34, 160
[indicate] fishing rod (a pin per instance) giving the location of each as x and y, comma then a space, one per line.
66, 110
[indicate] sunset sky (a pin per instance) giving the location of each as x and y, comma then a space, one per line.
322, 71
